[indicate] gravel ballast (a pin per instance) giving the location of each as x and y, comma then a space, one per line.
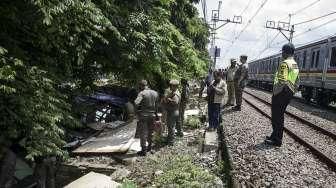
291, 165
320, 141
322, 117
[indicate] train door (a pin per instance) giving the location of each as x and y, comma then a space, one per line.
315, 67
325, 60
330, 79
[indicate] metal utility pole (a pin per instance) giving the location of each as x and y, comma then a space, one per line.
214, 50
281, 27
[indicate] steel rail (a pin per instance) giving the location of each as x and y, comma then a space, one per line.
302, 120
316, 152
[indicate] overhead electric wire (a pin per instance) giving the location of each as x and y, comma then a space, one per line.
242, 12
310, 20
243, 30
267, 47
246, 7
316, 27
302, 9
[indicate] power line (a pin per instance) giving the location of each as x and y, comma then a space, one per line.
315, 18
248, 23
302, 9
311, 29
244, 10
267, 47
246, 7
316, 40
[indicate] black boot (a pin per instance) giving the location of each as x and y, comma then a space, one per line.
142, 152
236, 108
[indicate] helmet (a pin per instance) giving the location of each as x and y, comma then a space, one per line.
288, 48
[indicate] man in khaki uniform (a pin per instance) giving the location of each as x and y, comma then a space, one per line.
240, 81
147, 104
172, 99
230, 83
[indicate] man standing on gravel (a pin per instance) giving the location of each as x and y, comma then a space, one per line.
240, 79
172, 100
216, 96
147, 105
286, 82
230, 83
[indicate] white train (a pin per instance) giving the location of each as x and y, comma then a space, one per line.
317, 64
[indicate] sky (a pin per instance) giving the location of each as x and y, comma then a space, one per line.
255, 40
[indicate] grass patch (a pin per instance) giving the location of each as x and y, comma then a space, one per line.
181, 172
127, 184
192, 122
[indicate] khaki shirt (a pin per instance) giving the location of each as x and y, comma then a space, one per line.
175, 96
147, 102
231, 73
241, 73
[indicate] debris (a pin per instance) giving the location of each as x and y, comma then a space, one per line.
210, 141
135, 146
22, 169
111, 125
113, 141
158, 173
193, 112
93, 180
120, 174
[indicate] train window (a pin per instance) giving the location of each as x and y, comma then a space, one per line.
312, 60
333, 57
317, 58
304, 59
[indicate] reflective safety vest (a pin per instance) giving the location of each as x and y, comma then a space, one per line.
287, 75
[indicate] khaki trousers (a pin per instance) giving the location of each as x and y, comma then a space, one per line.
231, 92
146, 130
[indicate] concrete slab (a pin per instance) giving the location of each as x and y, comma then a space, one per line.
210, 141
93, 180
135, 145
192, 112
111, 141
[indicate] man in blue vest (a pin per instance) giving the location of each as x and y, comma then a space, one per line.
286, 82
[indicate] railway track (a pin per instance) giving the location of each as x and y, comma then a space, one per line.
327, 138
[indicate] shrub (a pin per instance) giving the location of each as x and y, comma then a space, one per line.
181, 172
192, 122
127, 184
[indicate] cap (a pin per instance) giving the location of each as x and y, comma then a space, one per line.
233, 60
174, 82
143, 82
243, 56
288, 48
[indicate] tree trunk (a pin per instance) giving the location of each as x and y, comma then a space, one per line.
7, 169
